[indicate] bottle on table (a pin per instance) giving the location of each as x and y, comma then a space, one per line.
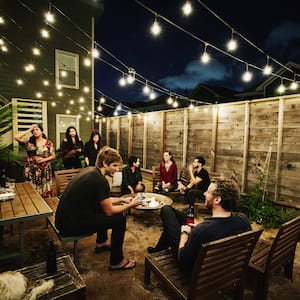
190, 218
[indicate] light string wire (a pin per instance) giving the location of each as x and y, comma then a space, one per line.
245, 39
156, 14
85, 49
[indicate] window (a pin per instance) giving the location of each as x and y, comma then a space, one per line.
62, 123
67, 69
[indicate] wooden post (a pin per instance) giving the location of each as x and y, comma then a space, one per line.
185, 136
118, 134
145, 143
279, 146
246, 146
215, 112
107, 131
130, 134
162, 134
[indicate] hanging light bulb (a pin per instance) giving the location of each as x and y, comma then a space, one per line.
63, 73
170, 100
60, 94
129, 114
81, 100
49, 17
294, 85
99, 108
247, 76
281, 89
175, 104
119, 107
191, 106
20, 81
36, 51
122, 81
29, 68
45, 33
86, 89
232, 43
87, 62
38, 95
2, 42
187, 8
267, 70
115, 113
53, 103
146, 89
4, 48
102, 100
72, 102
152, 95
205, 57
131, 76
46, 83
155, 28
2, 20
95, 53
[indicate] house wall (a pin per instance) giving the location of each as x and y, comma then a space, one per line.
239, 139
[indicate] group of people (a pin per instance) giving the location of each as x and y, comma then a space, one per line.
40, 153
86, 205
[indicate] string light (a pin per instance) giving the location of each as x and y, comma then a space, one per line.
102, 100
152, 95
99, 108
294, 85
232, 43
205, 57
29, 68
2, 20
281, 89
86, 89
60, 94
146, 89
46, 83
247, 76
4, 48
36, 51
45, 33
72, 102
2, 42
170, 100
131, 76
95, 53
122, 81
38, 95
155, 28
187, 8
20, 81
267, 70
49, 17
87, 62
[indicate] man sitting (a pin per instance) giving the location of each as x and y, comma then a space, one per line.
221, 198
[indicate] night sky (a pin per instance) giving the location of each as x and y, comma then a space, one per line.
172, 59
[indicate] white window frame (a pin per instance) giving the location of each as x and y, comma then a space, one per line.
74, 121
58, 69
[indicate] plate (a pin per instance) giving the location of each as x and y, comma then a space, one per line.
6, 194
150, 203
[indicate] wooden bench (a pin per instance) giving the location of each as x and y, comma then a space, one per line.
269, 258
63, 177
220, 268
68, 284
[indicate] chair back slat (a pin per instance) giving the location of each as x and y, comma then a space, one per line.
63, 178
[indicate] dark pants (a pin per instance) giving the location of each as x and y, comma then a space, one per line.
172, 220
194, 195
118, 225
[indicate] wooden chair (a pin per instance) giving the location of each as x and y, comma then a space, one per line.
63, 177
269, 258
220, 268
201, 206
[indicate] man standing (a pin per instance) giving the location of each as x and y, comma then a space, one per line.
221, 198
194, 191
86, 207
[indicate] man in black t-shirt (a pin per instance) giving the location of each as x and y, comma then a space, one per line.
221, 198
194, 191
86, 207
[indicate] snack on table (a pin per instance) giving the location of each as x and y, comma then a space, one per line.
6, 194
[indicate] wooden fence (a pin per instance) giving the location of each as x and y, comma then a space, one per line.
239, 138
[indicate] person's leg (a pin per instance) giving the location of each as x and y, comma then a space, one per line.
194, 195
118, 225
172, 220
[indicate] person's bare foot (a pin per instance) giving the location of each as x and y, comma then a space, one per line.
125, 264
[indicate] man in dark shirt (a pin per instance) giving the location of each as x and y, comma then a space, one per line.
86, 207
199, 182
221, 198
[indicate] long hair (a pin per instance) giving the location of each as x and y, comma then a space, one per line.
68, 137
95, 132
171, 154
32, 139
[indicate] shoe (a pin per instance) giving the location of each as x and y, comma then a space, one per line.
152, 250
129, 264
102, 249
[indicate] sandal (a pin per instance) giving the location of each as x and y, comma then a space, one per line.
127, 265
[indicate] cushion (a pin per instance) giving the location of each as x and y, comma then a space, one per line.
117, 179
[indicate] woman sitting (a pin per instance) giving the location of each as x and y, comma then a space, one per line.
168, 174
132, 177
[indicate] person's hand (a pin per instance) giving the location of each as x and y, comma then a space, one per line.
135, 202
39, 160
186, 228
32, 127
127, 199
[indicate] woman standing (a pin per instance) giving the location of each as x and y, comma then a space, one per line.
72, 149
168, 174
40, 152
91, 148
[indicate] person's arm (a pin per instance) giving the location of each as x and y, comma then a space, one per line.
195, 180
51, 154
184, 235
66, 151
173, 175
110, 209
86, 154
20, 136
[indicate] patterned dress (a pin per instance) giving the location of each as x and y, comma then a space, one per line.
39, 174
